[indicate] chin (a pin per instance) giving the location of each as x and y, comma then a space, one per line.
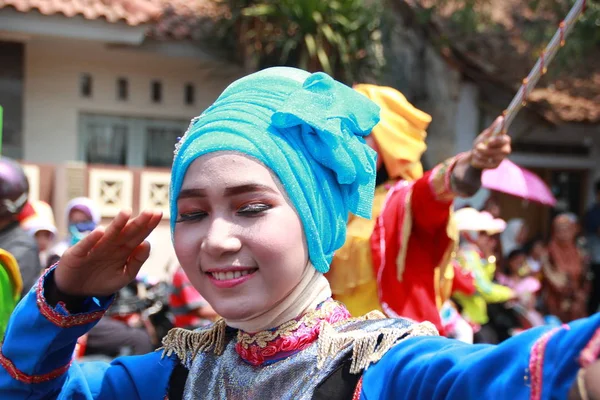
234, 310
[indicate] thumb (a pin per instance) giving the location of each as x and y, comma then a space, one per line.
137, 258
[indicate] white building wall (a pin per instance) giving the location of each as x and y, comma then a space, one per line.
53, 68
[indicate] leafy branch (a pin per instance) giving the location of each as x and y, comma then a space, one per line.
340, 37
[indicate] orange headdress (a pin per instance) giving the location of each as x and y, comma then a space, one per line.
401, 132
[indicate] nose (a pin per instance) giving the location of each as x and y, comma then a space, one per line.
221, 238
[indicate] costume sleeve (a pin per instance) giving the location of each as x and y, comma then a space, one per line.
490, 291
432, 198
540, 363
464, 281
36, 355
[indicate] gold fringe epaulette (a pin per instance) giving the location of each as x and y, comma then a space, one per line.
367, 347
186, 344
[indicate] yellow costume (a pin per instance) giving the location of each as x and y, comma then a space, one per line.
400, 141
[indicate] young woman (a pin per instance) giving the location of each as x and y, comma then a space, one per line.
262, 183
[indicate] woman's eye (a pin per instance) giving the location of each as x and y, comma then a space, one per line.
192, 216
253, 209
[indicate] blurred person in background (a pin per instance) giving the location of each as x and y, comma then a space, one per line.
14, 193
518, 277
565, 280
476, 255
82, 217
189, 308
537, 255
41, 226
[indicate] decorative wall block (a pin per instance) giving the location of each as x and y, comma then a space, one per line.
33, 176
154, 192
111, 189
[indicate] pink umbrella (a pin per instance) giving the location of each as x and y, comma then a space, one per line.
511, 179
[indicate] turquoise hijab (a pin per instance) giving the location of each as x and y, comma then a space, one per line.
308, 129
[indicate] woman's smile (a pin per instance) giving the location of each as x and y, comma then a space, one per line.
229, 277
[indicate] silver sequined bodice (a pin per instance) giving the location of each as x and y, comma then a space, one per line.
228, 377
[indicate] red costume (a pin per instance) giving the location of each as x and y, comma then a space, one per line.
412, 245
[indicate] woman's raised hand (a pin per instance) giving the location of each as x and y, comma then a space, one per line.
107, 259
488, 150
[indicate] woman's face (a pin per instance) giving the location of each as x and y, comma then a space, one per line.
486, 243
44, 239
77, 216
237, 236
564, 229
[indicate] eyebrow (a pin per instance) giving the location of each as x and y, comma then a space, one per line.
229, 191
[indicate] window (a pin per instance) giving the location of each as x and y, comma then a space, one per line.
105, 141
190, 95
12, 67
160, 144
122, 89
156, 89
135, 142
85, 85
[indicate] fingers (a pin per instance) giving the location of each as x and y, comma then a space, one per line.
490, 150
137, 258
125, 234
85, 245
138, 229
117, 224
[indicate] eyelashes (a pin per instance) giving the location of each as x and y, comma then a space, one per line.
248, 210
254, 209
187, 217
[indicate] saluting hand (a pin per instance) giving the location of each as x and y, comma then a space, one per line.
107, 260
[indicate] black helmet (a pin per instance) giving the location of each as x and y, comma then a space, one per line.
14, 188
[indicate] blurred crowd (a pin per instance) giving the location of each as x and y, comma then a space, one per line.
507, 281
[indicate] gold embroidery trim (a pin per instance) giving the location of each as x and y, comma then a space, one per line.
186, 344
405, 235
310, 319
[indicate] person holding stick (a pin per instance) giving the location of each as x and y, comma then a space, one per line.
262, 183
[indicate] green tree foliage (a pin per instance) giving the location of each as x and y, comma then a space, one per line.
537, 20
340, 37
584, 37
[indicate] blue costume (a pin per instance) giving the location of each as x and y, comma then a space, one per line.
308, 130
539, 364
